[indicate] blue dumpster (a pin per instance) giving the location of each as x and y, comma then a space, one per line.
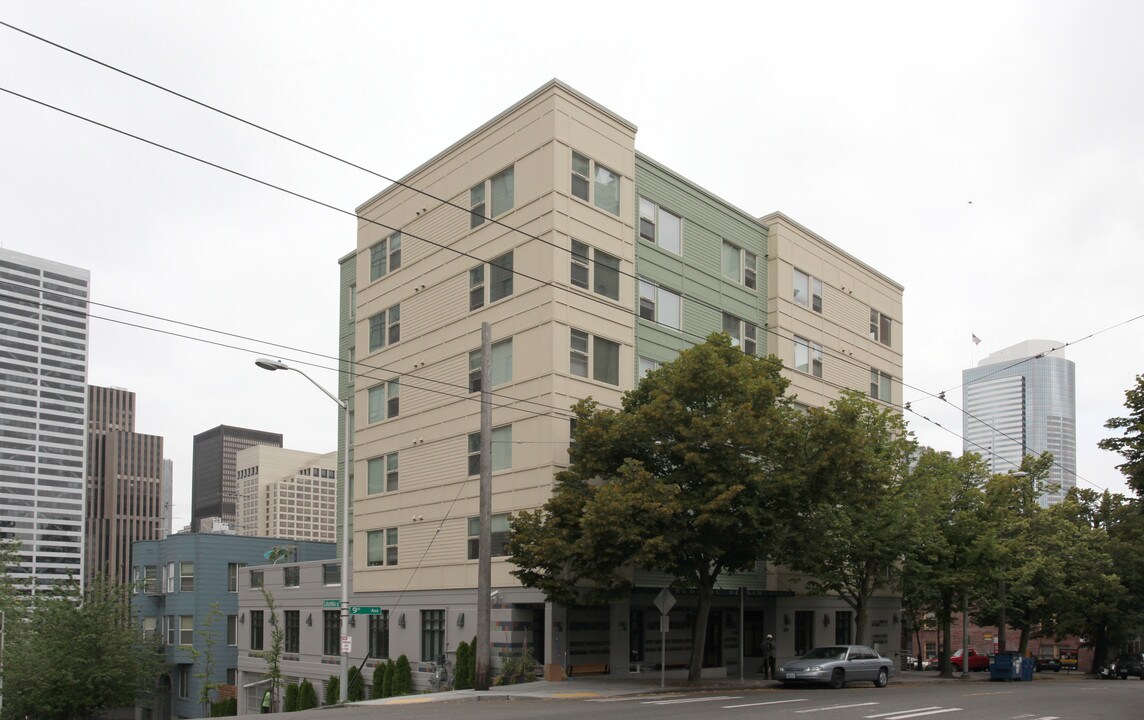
1010, 666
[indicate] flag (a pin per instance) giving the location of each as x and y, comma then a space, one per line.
976, 340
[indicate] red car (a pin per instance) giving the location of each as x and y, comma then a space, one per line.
977, 661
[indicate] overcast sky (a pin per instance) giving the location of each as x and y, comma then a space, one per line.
987, 156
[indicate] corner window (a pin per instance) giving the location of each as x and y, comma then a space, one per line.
385, 256
594, 183
594, 270
880, 327
807, 356
384, 328
602, 355
186, 577
879, 385
500, 368
291, 577
499, 536
499, 285
499, 190
381, 547
502, 450
661, 227
232, 576
739, 265
743, 334
381, 474
661, 305
807, 290
384, 401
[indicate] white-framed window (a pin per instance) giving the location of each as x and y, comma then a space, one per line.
743, 334
184, 681
172, 629
492, 197
353, 300
186, 576
186, 629
385, 328
647, 365
499, 536
807, 290
232, 576
807, 356
170, 577
150, 579
232, 630
381, 547
661, 227
384, 401
385, 256
661, 305
291, 576
500, 368
502, 450
879, 385
880, 327
739, 265
382, 474
594, 183
256, 579
595, 270
151, 627
591, 351
498, 286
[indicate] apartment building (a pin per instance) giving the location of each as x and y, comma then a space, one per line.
285, 493
592, 263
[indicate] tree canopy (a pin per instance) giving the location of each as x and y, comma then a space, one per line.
690, 477
1130, 444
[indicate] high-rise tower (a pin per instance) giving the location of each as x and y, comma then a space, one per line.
213, 491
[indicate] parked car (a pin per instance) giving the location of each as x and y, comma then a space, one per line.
1128, 664
1047, 662
933, 663
977, 661
837, 665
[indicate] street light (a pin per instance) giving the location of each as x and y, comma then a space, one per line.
272, 365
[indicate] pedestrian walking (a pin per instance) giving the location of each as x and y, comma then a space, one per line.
266, 703
769, 658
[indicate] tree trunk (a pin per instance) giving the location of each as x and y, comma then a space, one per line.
860, 612
699, 633
1023, 643
946, 633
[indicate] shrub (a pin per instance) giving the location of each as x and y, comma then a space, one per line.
378, 680
357, 685
307, 696
403, 679
390, 673
333, 690
290, 703
462, 678
224, 708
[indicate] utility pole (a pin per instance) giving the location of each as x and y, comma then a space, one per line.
484, 540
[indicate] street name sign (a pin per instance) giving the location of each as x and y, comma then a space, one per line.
365, 609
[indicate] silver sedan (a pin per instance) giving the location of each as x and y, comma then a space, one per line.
837, 665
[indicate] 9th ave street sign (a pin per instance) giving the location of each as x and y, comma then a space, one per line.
365, 609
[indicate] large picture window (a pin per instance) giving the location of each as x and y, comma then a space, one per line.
382, 474
492, 197
661, 227
498, 286
499, 536
594, 270
502, 450
379, 635
661, 305
599, 354
432, 635
385, 256
593, 183
500, 369
381, 547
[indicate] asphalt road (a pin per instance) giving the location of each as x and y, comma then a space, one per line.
1050, 699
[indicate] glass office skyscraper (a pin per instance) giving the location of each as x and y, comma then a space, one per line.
1022, 401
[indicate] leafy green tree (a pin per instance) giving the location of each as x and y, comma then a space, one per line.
687, 478
1130, 444
205, 658
855, 512
402, 676
946, 553
273, 652
307, 695
76, 654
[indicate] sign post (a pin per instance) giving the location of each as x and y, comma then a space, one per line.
665, 601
